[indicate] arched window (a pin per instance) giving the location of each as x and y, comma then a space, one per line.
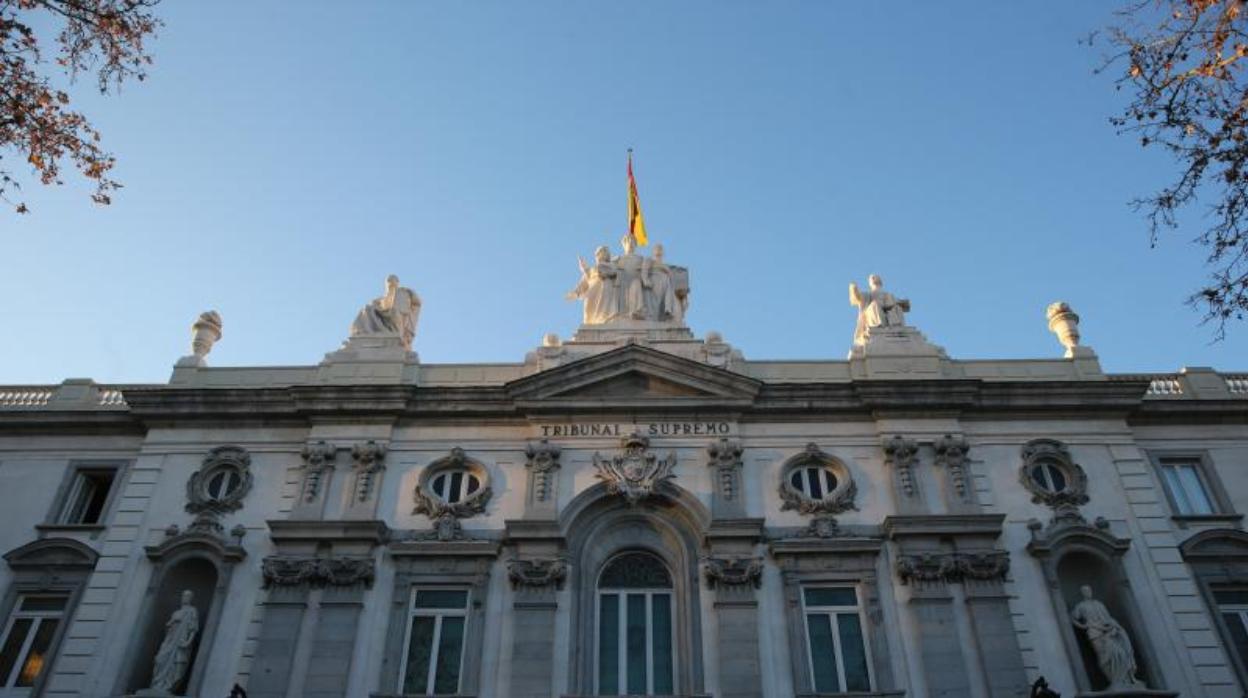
634, 653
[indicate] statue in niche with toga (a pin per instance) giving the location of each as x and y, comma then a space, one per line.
174, 656
876, 308
631, 288
1114, 653
394, 313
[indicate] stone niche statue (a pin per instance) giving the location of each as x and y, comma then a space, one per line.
394, 313
1109, 640
631, 288
876, 308
174, 656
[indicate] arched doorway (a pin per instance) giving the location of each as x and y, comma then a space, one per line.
634, 584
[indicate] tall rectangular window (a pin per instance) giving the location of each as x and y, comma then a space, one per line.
27, 638
838, 653
433, 651
1233, 607
87, 496
1186, 484
635, 642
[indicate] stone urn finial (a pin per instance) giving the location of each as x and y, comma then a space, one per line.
205, 332
1064, 323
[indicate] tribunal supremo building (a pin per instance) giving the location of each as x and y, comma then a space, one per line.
632, 510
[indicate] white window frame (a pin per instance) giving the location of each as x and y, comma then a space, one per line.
1180, 492
835, 611
230, 478
824, 473
622, 635
6, 682
437, 614
71, 487
1239, 609
449, 475
1047, 468
78, 482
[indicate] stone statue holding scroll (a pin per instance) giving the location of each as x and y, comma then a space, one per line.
635, 270
876, 308
394, 313
1109, 640
663, 290
174, 656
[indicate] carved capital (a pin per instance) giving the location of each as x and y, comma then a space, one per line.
902, 453
541, 456
634, 473
294, 570
725, 458
542, 460
317, 458
951, 453
738, 572
927, 567
725, 453
537, 573
987, 565
991, 565
368, 459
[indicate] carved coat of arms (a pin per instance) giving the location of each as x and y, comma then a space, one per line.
635, 473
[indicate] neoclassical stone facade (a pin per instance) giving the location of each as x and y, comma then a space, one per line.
632, 510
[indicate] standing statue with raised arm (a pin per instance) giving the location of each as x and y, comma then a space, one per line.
597, 288
174, 656
1109, 640
876, 308
396, 313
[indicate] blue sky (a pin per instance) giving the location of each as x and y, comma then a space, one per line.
282, 159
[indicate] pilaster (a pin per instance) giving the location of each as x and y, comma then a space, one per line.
536, 571
316, 586
733, 572
944, 559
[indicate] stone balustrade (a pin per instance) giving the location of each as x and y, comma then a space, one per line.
73, 394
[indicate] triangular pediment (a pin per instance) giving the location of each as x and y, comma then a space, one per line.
635, 374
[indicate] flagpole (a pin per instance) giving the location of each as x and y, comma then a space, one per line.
630, 196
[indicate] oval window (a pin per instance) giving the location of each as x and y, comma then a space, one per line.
223, 483
452, 486
1048, 477
815, 481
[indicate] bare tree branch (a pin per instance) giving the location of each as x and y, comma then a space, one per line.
104, 37
1183, 63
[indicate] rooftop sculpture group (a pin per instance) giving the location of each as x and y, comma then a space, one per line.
630, 287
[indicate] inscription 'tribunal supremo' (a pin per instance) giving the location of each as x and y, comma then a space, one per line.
645, 429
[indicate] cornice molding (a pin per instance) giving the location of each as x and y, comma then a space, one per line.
717, 391
927, 525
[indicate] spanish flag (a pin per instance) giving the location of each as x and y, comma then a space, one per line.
636, 222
